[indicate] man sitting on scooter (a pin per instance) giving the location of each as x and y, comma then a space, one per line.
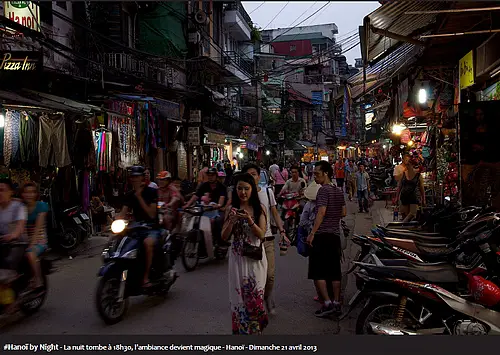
142, 200
217, 193
171, 196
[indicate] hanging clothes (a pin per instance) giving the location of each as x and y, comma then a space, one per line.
52, 142
84, 152
11, 136
103, 140
29, 137
125, 141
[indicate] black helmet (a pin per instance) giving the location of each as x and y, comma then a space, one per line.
212, 171
136, 170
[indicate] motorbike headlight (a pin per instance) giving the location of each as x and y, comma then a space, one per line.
130, 254
118, 226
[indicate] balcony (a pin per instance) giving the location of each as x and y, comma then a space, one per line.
241, 67
321, 79
236, 22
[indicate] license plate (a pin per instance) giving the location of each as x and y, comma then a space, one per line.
77, 220
84, 216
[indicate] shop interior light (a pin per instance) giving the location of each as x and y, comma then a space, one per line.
241, 155
238, 149
397, 129
2, 120
384, 146
422, 96
268, 152
410, 143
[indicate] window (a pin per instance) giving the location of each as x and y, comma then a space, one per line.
46, 14
62, 4
293, 48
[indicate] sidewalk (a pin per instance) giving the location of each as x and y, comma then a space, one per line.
360, 223
87, 249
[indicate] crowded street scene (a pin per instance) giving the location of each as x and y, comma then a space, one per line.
249, 168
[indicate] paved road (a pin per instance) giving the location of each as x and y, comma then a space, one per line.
197, 303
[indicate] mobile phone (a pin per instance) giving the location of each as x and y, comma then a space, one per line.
241, 211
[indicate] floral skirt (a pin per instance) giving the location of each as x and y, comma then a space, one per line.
247, 279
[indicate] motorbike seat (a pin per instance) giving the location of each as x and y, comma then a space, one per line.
442, 273
416, 238
71, 209
403, 232
438, 252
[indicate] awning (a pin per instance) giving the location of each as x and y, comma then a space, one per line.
168, 109
384, 70
67, 102
391, 17
306, 144
17, 100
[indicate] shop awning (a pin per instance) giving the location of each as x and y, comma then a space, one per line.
13, 99
388, 27
306, 144
382, 71
168, 109
67, 102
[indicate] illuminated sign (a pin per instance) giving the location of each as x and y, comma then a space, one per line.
19, 61
25, 13
466, 66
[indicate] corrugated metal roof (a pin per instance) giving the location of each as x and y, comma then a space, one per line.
385, 69
391, 17
300, 36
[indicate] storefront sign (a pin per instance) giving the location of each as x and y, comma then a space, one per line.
466, 65
195, 116
216, 138
19, 61
25, 13
252, 146
193, 137
169, 110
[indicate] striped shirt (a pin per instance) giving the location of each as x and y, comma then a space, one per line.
333, 198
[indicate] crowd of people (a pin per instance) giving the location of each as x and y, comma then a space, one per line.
244, 217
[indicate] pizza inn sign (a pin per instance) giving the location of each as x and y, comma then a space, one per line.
19, 61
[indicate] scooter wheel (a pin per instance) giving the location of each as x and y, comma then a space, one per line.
106, 299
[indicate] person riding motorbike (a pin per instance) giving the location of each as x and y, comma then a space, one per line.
13, 217
142, 200
171, 196
217, 193
295, 184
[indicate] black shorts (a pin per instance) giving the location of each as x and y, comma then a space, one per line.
324, 258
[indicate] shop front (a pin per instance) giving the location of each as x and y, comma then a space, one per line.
214, 148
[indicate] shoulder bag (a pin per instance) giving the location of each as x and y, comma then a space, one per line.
251, 251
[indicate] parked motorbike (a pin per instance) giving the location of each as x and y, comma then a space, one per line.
29, 301
121, 275
291, 209
198, 242
424, 299
66, 228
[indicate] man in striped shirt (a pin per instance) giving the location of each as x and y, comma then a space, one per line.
324, 239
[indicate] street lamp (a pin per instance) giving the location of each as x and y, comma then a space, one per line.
268, 152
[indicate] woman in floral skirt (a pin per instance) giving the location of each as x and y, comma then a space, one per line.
246, 224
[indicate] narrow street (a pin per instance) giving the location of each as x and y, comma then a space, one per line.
198, 302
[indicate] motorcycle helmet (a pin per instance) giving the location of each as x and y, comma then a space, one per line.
163, 175
221, 174
136, 170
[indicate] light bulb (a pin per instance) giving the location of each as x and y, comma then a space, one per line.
238, 149
268, 152
397, 129
384, 146
2, 120
241, 155
422, 96
410, 143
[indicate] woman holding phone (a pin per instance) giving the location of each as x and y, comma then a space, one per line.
246, 225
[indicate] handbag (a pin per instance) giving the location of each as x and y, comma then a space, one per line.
252, 251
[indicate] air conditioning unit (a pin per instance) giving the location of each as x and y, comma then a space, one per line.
194, 37
200, 17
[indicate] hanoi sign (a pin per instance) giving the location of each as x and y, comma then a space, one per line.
25, 13
19, 61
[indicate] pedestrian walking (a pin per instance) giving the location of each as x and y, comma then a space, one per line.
246, 225
324, 240
339, 170
362, 182
407, 193
268, 200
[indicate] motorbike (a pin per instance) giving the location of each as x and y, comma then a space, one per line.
291, 215
66, 228
29, 301
427, 299
121, 275
198, 242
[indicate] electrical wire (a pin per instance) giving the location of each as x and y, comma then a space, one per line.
288, 2
258, 7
